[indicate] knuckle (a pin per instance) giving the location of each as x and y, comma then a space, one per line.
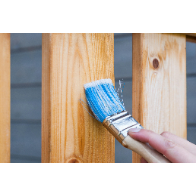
165, 134
169, 145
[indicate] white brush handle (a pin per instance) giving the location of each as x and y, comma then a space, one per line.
148, 153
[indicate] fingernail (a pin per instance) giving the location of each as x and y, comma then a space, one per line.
134, 130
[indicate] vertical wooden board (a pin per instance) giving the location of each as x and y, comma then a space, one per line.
159, 83
70, 61
4, 98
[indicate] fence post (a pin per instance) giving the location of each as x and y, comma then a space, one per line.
69, 133
159, 83
4, 97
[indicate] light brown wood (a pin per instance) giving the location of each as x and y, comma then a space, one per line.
69, 133
4, 97
159, 83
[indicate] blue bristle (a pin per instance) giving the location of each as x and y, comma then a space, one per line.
103, 99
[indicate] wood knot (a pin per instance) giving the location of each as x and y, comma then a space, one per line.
74, 160
155, 63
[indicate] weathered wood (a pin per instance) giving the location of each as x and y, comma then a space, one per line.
69, 133
4, 98
159, 83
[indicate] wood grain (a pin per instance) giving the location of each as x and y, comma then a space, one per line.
4, 98
159, 83
69, 133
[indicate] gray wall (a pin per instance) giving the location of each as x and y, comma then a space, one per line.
26, 57
26, 93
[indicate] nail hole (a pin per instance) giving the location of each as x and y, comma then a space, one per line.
155, 63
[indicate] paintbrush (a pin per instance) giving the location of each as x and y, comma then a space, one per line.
107, 108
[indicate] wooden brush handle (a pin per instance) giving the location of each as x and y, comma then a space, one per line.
148, 153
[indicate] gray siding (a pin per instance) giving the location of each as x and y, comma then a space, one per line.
26, 93
26, 60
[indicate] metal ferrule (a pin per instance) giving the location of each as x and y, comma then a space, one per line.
119, 124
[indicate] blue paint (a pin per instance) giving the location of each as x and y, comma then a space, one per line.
103, 99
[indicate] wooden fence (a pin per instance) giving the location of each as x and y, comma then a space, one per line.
69, 134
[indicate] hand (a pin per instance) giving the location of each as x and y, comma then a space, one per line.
175, 149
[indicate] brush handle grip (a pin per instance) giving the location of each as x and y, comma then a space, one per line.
148, 153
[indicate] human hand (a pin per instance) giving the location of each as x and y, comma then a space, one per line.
175, 149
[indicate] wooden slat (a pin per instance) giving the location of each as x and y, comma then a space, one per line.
69, 133
191, 34
159, 83
190, 37
4, 98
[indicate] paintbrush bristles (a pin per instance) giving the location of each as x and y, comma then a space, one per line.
103, 99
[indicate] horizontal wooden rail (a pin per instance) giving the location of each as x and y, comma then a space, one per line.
190, 37
191, 34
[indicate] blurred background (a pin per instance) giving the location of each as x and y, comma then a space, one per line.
26, 62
